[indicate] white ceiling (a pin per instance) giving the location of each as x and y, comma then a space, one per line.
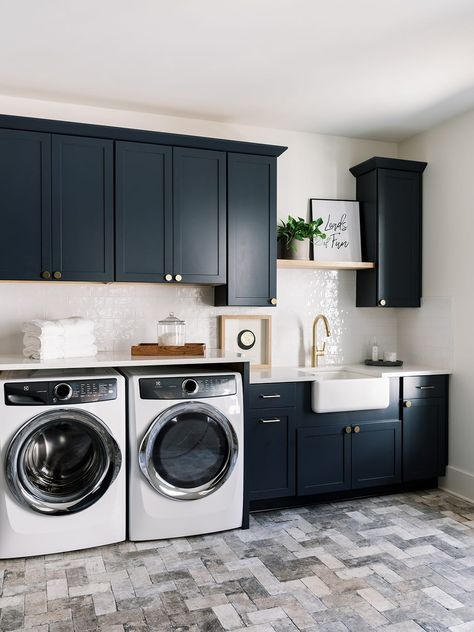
382, 69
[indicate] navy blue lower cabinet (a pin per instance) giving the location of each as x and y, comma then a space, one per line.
25, 207
424, 438
324, 459
82, 208
270, 453
376, 453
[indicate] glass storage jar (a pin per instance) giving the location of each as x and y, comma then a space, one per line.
171, 331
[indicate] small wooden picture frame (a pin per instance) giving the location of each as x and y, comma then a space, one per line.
248, 335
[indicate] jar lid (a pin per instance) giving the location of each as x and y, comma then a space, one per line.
171, 320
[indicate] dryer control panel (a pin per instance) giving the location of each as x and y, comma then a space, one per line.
57, 392
201, 387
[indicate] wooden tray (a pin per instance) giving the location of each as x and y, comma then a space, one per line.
152, 349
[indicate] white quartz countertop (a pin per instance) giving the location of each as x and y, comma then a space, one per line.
113, 359
306, 374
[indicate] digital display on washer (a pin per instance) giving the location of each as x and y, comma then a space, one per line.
187, 387
60, 392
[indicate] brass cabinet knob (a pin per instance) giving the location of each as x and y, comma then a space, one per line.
45, 274
57, 274
382, 302
273, 301
178, 278
168, 277
407, 403
356, 429
348, 429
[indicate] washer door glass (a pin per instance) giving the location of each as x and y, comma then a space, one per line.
62, 461
189, 451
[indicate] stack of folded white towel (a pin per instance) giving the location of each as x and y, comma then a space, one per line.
65, 338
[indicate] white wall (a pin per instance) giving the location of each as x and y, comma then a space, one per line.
446, 319
314, 166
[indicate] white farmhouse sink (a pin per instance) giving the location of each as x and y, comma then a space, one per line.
343, 390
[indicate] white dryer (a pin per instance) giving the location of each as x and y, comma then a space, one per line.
62, 453
185, 453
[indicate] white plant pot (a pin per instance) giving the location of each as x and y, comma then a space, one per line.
299, 250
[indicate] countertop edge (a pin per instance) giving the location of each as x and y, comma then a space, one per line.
111, 359
275, 375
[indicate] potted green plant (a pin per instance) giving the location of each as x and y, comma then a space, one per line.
295, 235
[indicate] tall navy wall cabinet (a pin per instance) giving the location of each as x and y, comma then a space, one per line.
25, 200
251, 244
390, 196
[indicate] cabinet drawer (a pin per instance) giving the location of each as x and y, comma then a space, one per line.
272, 395
424, 386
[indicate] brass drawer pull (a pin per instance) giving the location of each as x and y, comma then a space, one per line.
356, 429
272, 396
407, 404
348, 429
271, 420
57, 275
46, 274
425, 388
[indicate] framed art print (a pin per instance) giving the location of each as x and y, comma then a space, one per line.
248, 336
341, 226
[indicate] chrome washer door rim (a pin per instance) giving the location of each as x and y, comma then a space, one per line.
145, 451
34, 498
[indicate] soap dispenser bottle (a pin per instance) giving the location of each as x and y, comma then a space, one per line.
375, 351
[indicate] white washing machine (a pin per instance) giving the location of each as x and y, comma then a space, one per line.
62, 452
185, 453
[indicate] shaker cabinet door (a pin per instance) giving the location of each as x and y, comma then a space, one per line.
270, 452
25, 205
251, 261
82, 208
424, 432
324, 460
199, 216
144, 220
399, 235
376, 453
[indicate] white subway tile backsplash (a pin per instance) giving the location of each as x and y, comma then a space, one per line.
127, 314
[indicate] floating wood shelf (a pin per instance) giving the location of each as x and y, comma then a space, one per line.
325, 265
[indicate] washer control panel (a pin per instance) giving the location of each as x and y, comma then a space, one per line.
200, 387
60, 392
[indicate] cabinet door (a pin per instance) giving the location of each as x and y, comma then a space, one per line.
423, 439
82, 208
251, 268
270, 453
376, 453
143, 212
25, 205
399, 236
324, 460
199, 215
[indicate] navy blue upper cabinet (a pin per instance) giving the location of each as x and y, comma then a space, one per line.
170, 214
169, 194
251, 241
144, 212
390, 195
82, 209
25, 205
199, 216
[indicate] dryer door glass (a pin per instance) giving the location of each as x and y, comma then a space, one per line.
62, 461
189, 451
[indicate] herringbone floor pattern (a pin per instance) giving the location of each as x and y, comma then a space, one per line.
398, 563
